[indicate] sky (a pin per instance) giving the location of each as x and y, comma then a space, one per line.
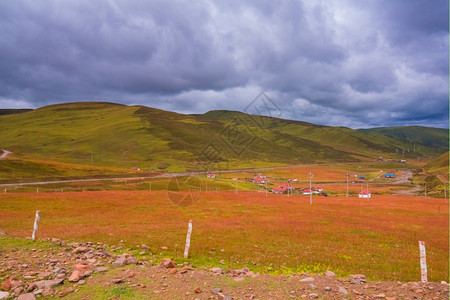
348, 63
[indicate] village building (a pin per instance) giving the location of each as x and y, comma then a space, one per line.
260, 179
365, 194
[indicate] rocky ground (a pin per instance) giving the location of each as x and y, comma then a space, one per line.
93, 271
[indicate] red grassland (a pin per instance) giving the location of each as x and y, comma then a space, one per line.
277, 233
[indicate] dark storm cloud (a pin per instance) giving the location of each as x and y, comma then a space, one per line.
348, 62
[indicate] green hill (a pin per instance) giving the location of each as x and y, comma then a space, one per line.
108, 134
433, 137
439, 165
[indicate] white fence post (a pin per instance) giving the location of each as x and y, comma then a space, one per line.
423, 261
36, 223
188, 240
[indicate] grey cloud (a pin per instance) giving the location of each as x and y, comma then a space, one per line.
371, 62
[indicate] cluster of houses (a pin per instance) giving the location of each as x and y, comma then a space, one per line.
286, 188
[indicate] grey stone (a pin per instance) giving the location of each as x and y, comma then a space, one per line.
343, 290
307, 279
217, 270
4, 295
329, 274
216, 290
120, 262
46, 284
28, 296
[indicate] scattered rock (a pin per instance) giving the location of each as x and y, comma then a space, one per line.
19, 290
312, 295
120, 261
44, 275
66, 291
173, 271
28, 296
216, 290
164, 248
56, 241
117, 280
79, 272
343, 290
131, 260
145, 247
327, 289
4, 295
329, 274
307, 279
217, 270
130, 273
356, 292
80, 250
6, 285
100, 269
198, 290
379, 296
357, 279
48, 292
167, 263
46, 284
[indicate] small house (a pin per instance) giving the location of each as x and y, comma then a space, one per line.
277, 190
389, 175
307, 192
365, 194
135, 169
259, 179
317, 189
286, 187
211, 175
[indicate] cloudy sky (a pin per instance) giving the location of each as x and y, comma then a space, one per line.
343, 63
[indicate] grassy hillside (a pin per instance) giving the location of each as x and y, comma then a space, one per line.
434, 176
108, 134
438, 165
433, 137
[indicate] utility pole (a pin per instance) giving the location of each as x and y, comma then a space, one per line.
445, 194
310, 188
346, 195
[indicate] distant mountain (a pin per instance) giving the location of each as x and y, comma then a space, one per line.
433, 137
111, 134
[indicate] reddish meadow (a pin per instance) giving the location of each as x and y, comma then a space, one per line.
276, 233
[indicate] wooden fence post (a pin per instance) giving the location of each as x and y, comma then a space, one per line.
188, 240
36, 223
423, 262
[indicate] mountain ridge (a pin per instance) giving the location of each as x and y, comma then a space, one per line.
118, 135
